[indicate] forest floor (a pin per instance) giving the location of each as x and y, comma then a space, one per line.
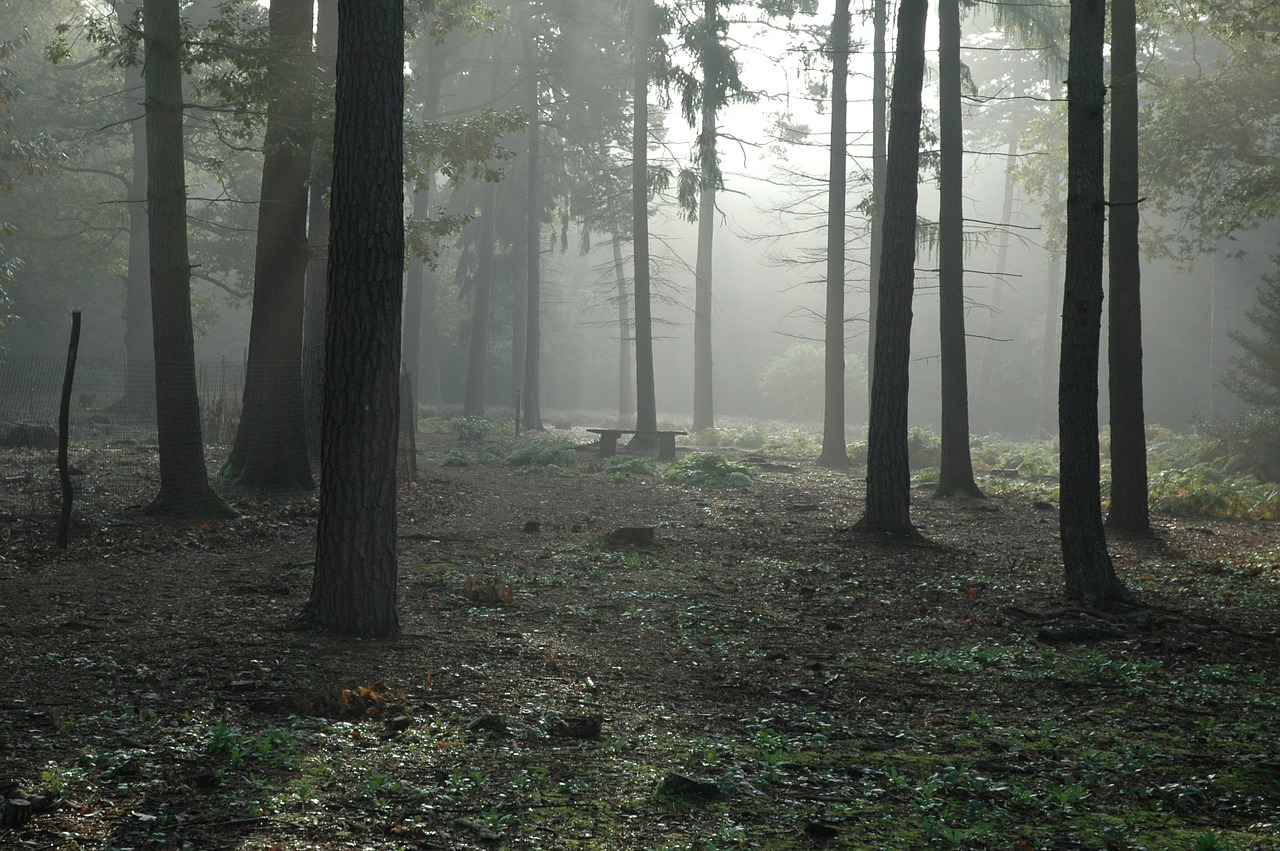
756, 677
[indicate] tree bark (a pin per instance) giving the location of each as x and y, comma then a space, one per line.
1129, 512
703, 374
646, 394
354, 590
270, 449
1090, 576
834, 454
879, 98
888, 508
184, 479
956, 470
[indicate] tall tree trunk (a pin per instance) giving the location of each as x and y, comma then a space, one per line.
318, 227
984, 392
1129, 511
532, 402
270, 449
354, 590
956, 471
421, 332
834, 454
709, 176
1090, 577
888, 508
184, 479
626, 378
481, 306
646, 394
879, 98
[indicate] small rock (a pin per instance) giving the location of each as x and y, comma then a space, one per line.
678, 785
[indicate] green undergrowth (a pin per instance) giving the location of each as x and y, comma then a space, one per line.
1000, 746
707, 470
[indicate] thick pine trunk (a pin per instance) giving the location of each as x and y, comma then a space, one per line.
184, 479
956, 473
354, 590
1090, 577
270, 449
888, 508
646, 393
834, 454
1129, 510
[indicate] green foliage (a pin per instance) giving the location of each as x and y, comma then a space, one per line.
551, 458
793, 382
470, 428
1207, 490
623, 468
707, 470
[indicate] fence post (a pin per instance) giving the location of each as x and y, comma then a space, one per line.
64, 416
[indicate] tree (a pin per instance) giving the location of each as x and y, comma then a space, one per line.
1090, 576
184, 481
879, 97
270, 449
1129, 512
532, 377
888, 509
646, 394
956, 468
354, 590
834, 454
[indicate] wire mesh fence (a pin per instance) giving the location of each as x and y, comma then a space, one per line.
111, 431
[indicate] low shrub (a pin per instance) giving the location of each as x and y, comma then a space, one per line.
707, 470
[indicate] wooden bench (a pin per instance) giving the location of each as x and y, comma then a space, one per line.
609, 440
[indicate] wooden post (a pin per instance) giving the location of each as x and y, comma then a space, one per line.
64, 415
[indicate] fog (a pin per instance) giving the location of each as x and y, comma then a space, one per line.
768, 287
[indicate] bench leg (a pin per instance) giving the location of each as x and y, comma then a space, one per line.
608, 444
666, 447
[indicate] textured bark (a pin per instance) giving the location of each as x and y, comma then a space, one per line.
184, 480
354, 591
626, 381
270, 449
318, 229
956, 469
646, 393
703, 374
1129, 511
888, 508
834, 454
879, 98
532, 378
1090, 577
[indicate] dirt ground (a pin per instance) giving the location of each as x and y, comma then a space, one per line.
757, 676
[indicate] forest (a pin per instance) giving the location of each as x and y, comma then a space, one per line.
640, 424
